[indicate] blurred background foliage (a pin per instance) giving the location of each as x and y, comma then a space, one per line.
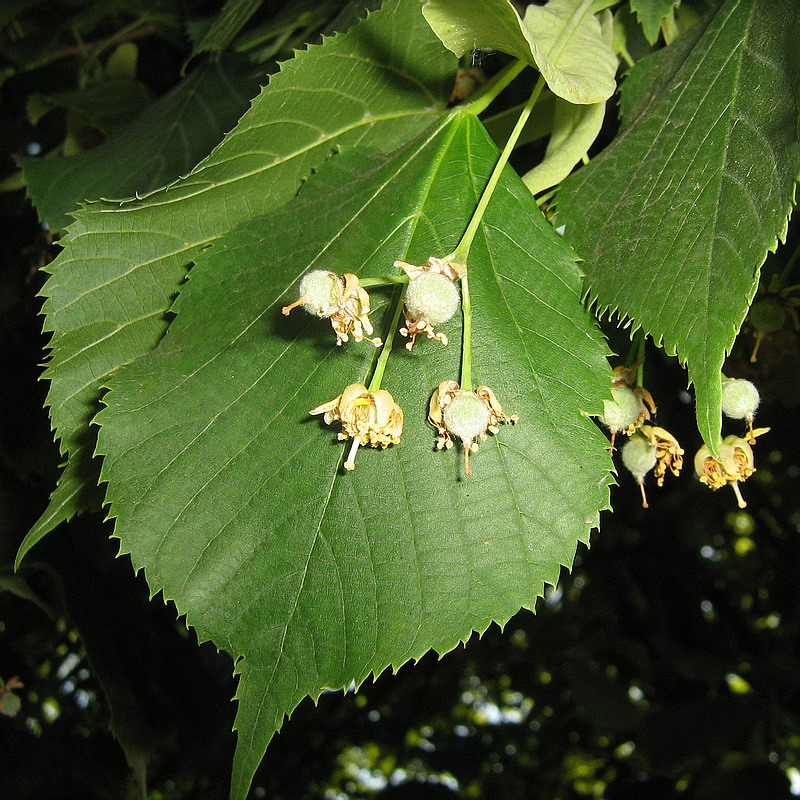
664, 666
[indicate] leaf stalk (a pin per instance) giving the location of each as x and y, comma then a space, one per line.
461, 253
388, 340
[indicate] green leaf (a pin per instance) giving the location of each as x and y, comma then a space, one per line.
166, 141
650, 14
575, 128
234, 16
381, 82
562, 40
233, 500
675, 218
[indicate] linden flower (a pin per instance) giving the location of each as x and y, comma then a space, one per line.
369, 418
467, 415
341, 299
431, 298
669, 454
735, 463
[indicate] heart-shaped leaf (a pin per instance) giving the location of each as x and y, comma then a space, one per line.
233, 499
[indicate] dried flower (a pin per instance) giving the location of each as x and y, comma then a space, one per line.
431, 298
369, 418
450, 269
466, 415
735, 463
668, 452
339, 298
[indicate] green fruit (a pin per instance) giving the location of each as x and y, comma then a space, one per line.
318, 287
623, 410
638, 456
767, 315
432, 297
740, 398
466, 416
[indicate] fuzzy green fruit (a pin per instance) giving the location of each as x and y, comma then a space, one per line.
624, 410
740, 398
767, 315
318, 288
466, 416
432, 297
638, 456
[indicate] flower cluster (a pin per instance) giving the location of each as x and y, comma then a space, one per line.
649, 447
630, 405
735, 462
652, 448
432, 297
369, 416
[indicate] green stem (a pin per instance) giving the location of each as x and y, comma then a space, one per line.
461, 252
545, 196
636, 354
483, 98
383, 280
466, 335
787, 270
386, 349
642, 340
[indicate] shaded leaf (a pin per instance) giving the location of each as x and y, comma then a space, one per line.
111, 287
574, 130
562, 40
111, 106
234, 16
77, 490
650, 14
675, 218
166, 141
233, 500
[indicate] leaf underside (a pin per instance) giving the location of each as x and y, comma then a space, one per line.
380, 83
675, 218
233, 499
563, 40
575, 128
